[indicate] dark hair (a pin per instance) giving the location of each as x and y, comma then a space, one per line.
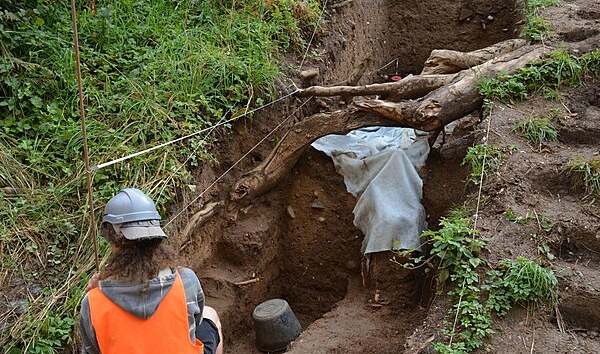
135, 260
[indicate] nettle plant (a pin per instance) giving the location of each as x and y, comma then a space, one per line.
479, 289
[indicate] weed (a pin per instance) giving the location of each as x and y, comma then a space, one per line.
153, 71
519, 281
480, 298
545, 250
536, 27
536, 130
482, 158
533, 5
544, 76
511, 216
542, 220
585, 174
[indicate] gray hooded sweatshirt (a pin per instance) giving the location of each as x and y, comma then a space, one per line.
129, 297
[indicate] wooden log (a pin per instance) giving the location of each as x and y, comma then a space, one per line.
442, 61
454, 101
197, 220
284, 156
410, 87
431, 113
355, 77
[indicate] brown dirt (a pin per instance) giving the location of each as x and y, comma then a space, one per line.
299, 241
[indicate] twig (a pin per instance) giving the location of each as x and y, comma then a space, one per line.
559, 320
341, 4
198, 219
246, 282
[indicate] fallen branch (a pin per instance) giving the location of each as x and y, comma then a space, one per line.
454, 101
284, 156
410, 87
442, 61
424, 102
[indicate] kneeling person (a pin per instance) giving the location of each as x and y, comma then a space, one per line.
141, 302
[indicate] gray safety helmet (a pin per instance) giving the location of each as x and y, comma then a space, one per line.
133, 214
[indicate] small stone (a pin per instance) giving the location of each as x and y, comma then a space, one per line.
19, 306
490, 18
309, 73
316, 204
465, 14
321, 103
291, 212
321, 219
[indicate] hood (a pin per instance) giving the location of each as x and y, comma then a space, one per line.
140, 299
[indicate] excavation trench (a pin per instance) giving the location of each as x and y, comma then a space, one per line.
298, 241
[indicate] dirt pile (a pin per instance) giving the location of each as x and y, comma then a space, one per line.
298, 242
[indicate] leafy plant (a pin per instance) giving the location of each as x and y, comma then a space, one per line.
585, 174
544, 76
519, 281
536, 130
478, 295
511, 216
455, 247
536, 27
482, 158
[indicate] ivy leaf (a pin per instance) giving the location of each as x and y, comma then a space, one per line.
36, 101
444, 275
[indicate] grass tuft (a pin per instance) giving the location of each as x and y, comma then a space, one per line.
536, 130
545, 76
585, 174
537, 28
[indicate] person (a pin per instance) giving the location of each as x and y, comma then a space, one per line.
141, 302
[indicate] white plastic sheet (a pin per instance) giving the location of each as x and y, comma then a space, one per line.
379, 165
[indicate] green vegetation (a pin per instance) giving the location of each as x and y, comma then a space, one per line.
541, 218
152, 71
482, 158
544, 224
585, 174
545, 77
479, 294
536, 28
536, 130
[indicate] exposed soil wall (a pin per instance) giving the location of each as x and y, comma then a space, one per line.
385, 30
298, 243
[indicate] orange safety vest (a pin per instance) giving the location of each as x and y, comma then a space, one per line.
165, 332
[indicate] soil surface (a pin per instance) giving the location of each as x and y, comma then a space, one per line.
297, 242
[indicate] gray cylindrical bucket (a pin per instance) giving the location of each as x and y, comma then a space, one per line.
275, 325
